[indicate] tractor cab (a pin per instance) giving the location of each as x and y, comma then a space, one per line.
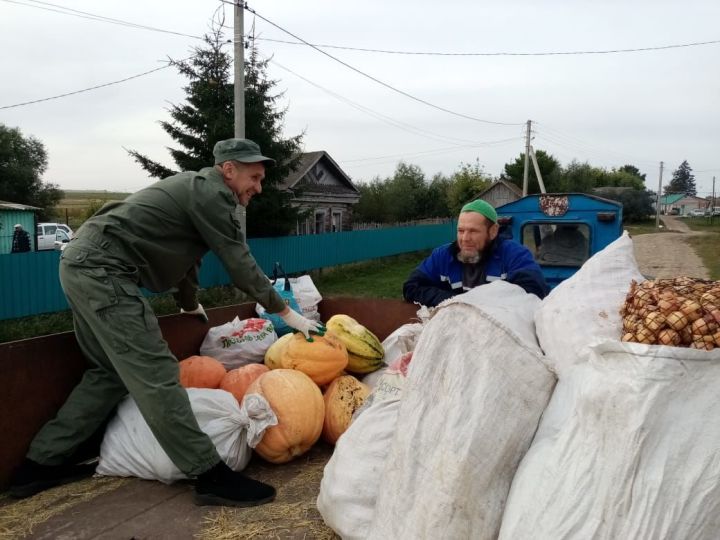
562, 230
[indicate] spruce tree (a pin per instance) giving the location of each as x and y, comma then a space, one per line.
683, 181
207, 116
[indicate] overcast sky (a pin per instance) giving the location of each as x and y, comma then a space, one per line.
607, 109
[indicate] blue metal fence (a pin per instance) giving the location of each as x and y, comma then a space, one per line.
29, 282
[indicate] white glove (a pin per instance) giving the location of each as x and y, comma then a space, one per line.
199, 311
294, 320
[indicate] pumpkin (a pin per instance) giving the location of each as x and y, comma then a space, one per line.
321, 359
298, 404
201, 372
238, 380
365, 352
274, 352
343, 397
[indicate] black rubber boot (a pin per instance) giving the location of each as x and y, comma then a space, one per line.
31, 477
221, 486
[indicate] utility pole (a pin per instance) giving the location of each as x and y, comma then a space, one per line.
239, 83
239, 42
712, 204
657, 199
527, 158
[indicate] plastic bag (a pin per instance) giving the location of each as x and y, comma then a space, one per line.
285, 291
238, 343
306, 295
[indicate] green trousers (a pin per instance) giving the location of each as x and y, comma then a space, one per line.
119, 334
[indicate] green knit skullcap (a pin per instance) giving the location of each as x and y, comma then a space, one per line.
481, 207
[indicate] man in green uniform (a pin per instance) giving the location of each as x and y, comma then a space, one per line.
154, 239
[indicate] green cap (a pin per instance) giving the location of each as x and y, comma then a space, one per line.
481, 207
242, 150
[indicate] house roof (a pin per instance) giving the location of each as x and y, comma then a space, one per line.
512, 187
5, 205
307, 161
675, 197
671, 199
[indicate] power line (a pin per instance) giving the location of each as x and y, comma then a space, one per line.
386, 85
90, 88
502, 53
93, 17
377, 115
435, 151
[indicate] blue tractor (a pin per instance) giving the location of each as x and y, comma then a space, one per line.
562, 230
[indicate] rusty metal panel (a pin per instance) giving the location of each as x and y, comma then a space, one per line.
38, 374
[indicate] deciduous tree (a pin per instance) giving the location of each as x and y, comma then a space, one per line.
23, 161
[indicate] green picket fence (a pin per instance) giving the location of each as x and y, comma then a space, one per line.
29, 282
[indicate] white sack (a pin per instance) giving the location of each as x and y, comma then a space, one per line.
239, 342
629, 447
352, 477
585, 308
475, 390
130, 449
400, 342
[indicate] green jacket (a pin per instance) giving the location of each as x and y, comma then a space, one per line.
165, 229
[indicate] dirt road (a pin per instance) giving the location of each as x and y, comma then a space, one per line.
668, 254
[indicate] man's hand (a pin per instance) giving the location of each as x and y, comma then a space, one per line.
199, 311
301, 324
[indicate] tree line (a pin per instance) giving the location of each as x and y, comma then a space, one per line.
409, 195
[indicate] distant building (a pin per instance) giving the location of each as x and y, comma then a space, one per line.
501, 192
681, 204
10, 215
323, 188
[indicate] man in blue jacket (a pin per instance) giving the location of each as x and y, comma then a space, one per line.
478, 257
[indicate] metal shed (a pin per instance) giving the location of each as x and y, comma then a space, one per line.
12, 214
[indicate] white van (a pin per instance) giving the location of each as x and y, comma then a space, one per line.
49, 233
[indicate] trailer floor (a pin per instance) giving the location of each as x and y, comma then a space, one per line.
114, 508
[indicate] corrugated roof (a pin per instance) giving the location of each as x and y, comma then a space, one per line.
5, 205
671, 199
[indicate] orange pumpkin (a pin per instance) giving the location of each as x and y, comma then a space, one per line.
343, 397
322, 359
238, 380
201, 372
298, 405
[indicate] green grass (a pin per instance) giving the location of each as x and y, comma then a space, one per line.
702, 224
643, 227
707, 246
380, 278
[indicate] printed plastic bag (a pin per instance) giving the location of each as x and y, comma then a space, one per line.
238, 343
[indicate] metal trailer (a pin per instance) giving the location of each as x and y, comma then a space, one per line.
39, 373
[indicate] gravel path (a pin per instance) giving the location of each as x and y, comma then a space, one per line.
668, 254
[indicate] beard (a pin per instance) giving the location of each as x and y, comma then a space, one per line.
468, 256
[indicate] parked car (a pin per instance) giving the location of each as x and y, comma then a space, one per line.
49, 233
697, 212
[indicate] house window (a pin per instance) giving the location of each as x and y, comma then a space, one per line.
336, 221
319, 222
303, 227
